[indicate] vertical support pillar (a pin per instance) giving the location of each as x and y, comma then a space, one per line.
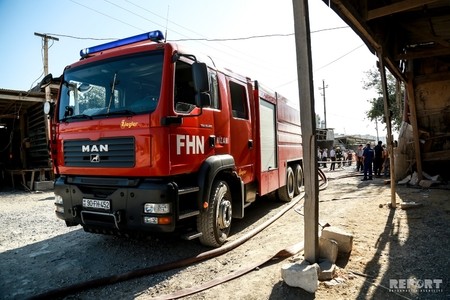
307, 117
387, 116
413, 118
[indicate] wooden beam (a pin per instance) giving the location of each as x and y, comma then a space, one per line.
424, 53
437, 155
387, 118
355, 21
307, 117
413, 119
358, 23
396, 7
425, 33
22, 98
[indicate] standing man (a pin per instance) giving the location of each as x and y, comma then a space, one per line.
333, 159
368, 156
325, 157
378, 158
319, 156
359, 158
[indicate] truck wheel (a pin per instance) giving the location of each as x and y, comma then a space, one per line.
286, 193
298, 174
215, 222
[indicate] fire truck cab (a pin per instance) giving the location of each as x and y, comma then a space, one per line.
150, 137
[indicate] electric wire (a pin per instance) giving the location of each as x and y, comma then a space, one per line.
108, 16
246, 58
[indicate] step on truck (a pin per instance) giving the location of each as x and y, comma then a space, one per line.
150, 137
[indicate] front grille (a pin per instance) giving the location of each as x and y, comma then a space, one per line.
104, 153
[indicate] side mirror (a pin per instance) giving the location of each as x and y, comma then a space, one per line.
46, 81
200, 77
202, 100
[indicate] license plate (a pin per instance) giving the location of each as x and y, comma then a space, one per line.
99, 204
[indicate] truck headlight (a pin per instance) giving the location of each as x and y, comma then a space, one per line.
58, 199
157, 208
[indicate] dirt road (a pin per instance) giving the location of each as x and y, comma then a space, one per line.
38, 253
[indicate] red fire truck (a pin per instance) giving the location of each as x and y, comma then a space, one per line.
149, 137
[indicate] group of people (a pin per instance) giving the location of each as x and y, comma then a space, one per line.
372, 161
336, 155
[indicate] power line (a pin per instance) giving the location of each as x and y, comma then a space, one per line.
256, 36
82, 38
340, 57
326, 65
220, 50
196, 39
108, 16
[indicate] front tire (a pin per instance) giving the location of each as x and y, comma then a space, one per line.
215, 222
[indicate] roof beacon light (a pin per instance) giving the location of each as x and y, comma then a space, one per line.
155, 36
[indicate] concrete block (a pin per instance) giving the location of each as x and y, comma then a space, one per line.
328, 249
43, 185
302, 275
414, 179
327, 270
343, 239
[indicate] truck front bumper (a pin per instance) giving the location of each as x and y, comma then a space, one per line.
118, 204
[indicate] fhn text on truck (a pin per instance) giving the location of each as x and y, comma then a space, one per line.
150, 137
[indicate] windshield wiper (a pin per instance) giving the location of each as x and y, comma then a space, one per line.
125, 112
113, 86
76, 117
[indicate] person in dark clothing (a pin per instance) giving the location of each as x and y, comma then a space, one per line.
339, 156
378, 164
368, 156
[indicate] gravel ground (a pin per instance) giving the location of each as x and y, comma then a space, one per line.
39, 253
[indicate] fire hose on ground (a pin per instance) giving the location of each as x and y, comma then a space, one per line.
133, 274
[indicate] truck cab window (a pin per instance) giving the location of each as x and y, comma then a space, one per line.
184, 93
238, 94
214, 90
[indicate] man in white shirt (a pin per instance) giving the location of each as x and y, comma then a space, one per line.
333, 158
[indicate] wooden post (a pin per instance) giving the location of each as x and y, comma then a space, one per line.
413, 118
387, 117
307, 117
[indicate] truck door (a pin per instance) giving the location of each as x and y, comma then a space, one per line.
241, 132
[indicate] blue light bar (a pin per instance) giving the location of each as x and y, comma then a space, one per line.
155, 36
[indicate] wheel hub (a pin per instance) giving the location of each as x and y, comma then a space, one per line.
225, 214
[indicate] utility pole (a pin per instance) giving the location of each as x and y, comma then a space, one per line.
376, 128
45, 38
324, 102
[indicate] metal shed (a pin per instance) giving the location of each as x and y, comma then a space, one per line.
23, 138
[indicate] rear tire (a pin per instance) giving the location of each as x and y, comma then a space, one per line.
215, 222
298, 173
286, 193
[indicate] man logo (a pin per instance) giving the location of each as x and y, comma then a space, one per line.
94, 148
95, 158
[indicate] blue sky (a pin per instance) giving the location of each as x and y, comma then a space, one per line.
339, 56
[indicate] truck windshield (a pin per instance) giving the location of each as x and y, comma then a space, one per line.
121, 86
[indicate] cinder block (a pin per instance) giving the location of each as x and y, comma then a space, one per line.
43, 185
327, 270
328, 249
302, 275
343, 238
